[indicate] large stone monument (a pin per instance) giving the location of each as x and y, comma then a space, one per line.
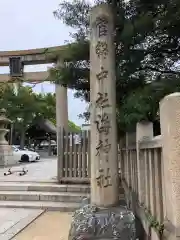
6, 153
103, 218
104, 165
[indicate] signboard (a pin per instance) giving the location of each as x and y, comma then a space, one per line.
16, 67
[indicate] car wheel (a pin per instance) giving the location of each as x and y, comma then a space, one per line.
24, 158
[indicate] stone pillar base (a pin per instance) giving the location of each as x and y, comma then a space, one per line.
90, 223
6, 155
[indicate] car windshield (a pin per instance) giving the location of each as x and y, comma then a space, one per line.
22, 149
14, 148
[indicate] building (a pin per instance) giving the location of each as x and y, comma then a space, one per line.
85, 127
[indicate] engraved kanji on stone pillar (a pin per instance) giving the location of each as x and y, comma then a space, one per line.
104, 165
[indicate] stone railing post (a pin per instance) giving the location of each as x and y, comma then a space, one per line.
170, 131
129, 163
144, 130
61, 121
130, 142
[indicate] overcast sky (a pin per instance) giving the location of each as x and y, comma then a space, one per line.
31, 24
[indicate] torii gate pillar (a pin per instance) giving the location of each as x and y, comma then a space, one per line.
61, 118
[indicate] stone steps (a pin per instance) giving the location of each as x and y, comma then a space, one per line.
43, 187
45, 196
42, 196
51, 206
51, 196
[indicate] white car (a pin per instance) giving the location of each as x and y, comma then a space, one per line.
25, 155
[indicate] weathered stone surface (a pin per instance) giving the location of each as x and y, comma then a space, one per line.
6, 153
61, 119
104, 162
91, 222
170, 133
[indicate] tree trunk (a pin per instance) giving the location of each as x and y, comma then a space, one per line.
22, 139
49, 146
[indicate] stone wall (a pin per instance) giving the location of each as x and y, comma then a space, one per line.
150, 172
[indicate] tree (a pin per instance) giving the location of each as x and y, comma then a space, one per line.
26, 106
48, 106
147, 51
21, 108
73, 127
48, 110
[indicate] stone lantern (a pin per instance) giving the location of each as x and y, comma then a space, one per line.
6, 153
4, 121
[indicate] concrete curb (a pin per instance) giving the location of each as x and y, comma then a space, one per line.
21, 225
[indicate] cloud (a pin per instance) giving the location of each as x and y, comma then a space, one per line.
31, 24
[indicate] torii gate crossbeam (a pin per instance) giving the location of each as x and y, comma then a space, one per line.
42, 56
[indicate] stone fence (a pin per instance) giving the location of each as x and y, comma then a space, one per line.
150, 172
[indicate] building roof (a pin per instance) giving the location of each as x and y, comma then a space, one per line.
40, 128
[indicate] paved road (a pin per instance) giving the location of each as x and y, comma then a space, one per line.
44, 170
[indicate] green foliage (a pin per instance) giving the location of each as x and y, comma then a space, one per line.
48, 110
22, 107
75, 15
73, 127
47, 104
153, 222
25, 106
147, 53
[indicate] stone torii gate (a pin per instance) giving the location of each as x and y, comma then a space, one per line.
39, 56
